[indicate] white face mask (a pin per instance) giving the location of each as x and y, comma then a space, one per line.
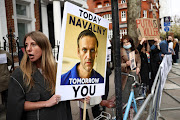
127, 46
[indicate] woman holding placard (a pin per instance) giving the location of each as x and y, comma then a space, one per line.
130, 63
32, 86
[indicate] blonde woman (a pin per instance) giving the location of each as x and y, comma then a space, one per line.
32, 86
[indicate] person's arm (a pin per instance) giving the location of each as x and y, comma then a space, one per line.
28, 106
140, 46
16, 99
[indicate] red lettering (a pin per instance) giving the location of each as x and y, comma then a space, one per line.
138, 22
150, 22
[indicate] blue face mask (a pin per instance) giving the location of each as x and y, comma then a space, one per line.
127, 46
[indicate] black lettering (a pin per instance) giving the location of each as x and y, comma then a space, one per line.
90, 27
86, 91
80, 12
90, 16
95, 20
84, 24
94, 28
91, 91
99, 30
76, 90
78, 23
71, 20
99, 19
85, 15
104, 31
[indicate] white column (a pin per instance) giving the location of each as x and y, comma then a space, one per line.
3, 23
57, 20
45, 28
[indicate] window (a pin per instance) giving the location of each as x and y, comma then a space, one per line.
110, 35
106, 4
123, 15
22, 30
144, 13
21, 9
123, 1
99, 6
24, 18
122, 33
108, 17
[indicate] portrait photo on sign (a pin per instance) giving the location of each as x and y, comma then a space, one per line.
84, 52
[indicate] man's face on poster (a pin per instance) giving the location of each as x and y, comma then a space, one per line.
87, 52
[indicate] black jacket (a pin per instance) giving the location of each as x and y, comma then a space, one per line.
18, 94
145, 66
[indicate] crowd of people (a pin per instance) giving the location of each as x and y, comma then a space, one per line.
148, 56
31, 89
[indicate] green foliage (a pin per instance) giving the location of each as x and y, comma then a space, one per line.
175, 29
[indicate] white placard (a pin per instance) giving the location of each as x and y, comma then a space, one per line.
3, 59
132, 59
76, 20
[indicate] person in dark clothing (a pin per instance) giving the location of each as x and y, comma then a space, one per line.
155, 60
144, 51
32, 86
164, 47
176, 50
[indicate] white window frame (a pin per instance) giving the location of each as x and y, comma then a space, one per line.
99, 6
123, 32
107, 4
108, 17
123, 15
123, 1
28, 19
144, 13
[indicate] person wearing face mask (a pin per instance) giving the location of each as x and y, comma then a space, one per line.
164, 46
127, 46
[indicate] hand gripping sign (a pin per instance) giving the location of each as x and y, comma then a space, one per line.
82, 58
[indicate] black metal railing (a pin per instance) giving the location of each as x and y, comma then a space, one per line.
11, 45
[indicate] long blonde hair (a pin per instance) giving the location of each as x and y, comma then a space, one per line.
48, 64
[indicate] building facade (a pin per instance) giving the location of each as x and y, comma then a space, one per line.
103, 8
23, 16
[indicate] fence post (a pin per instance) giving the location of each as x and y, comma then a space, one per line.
4, 43
10, 36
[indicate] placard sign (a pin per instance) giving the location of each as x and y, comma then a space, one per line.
148, 28
83, 53
132, 59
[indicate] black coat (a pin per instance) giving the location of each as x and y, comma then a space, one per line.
155, 62
145, 66
176, 50
18, 94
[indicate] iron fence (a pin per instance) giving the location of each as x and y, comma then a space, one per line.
11, 45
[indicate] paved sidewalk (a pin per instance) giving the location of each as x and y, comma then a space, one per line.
170, 104
170, 97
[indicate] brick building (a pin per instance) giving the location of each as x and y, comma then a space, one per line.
103, 8
23, 16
